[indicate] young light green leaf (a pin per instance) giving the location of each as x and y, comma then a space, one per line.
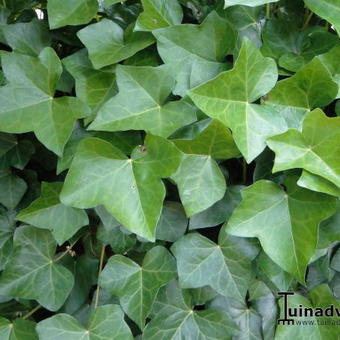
130, 189
19, 329
137, 286
213, 139
47, 212
200, 183
201, 262
228, 98
315, 149
252, 3
327, 9
279, 220
196, 53
72, 12
317, 183
27, 37
158, 14
105, 322
177, 318
31, 272
107, 43
150, 109
28, 103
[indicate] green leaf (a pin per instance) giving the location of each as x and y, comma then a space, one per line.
105, 322
107, 43
108, 3
279, 220
7, 228
173, 222
201, 262
228, 98
200, 183
93, 87
314, 149
252, 3
213, 139
19, 329
177, 318
130, 189
137, 286
28, 103
31, 272
12, 189
327, 9
302, 91
219, 212
72, 12
316, 183
150, 110
47, 212
158, 14
27, 38
192, 61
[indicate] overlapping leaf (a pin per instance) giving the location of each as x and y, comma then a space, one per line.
28, 103
137, 286
149, 110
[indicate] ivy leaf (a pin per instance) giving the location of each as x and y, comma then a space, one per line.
40, 279
176, 317
172, 223
19, 329
73, 12
328, 9
201, 262
12, 189
278, 219
200, 183
28, 103
130, 189
317, 183
47, 212
105, 322
27, 37
213, 139
301, 92
137, 286
7, 228
107, 43
252, 3
158, 14
93, 87
150, 110
195, 63
228, 98
315, 152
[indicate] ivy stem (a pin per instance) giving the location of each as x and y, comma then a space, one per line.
101, 263
4, 3
268, 11
67, 251
31, 312
307, 20
244, 171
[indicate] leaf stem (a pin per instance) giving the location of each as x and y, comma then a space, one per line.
67, 251
101, 262
244, 171
268, 11
31, 312
307, 20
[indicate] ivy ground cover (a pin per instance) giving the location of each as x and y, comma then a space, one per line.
168, 167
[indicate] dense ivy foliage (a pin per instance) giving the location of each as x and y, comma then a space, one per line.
167, 167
